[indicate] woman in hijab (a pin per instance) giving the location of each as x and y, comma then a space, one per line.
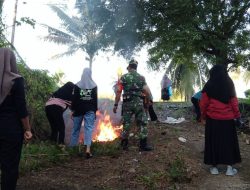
14, 119
84, 107
219, 106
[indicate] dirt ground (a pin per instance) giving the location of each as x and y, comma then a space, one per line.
146, 170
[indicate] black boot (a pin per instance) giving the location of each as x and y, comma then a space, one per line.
124, 144
144, 145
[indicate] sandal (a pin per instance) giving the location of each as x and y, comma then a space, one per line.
88, 155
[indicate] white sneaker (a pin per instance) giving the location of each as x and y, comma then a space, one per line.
214, 171
231, 171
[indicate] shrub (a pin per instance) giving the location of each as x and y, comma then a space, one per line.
247, 93
38, 86
177, 170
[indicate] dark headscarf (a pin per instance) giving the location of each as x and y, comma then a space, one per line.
8, 72
219, 86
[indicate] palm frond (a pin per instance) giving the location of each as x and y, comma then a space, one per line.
72, 25
58, 36
69, 52
246, 76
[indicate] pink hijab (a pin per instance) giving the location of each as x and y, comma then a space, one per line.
8, 72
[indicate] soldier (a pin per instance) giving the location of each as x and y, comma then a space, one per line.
133, 86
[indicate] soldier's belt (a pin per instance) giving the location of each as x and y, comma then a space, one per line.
129, 97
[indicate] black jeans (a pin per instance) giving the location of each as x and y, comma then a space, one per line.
54, 114
10, 153
197, 108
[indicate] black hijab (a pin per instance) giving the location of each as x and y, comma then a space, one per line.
219, 86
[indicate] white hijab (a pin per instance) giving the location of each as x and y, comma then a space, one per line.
86, 81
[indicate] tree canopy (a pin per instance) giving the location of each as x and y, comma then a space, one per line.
216, 30
83, 31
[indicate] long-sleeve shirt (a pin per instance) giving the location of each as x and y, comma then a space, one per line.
63, 96
217, 110
13, 109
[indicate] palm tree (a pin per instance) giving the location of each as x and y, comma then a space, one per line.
81, 32
246, 76
186, 73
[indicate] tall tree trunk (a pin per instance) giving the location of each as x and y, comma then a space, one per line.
14, 24
90, 61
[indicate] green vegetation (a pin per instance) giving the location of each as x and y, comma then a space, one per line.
36, 156
177, 170
150, 181
39, 155
244, 106
247, 93
83, 31
111, 148
39, 86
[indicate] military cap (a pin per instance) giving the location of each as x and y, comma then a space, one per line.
133, 62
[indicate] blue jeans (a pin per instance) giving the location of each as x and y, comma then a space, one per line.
89, 124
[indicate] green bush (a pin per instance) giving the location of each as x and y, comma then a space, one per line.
177, 170
247, 93
39, 86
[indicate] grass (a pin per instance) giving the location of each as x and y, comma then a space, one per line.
151, 180
111, 148
39, 155
44, 154
177, 171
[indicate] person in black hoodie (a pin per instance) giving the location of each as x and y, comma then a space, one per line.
55, 106
14, 119
84, 107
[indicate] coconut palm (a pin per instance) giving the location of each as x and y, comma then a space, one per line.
187, 73
246, 76
84, 31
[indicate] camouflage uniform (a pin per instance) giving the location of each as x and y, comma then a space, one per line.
132, 84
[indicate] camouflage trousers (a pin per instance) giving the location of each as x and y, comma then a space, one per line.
134, 107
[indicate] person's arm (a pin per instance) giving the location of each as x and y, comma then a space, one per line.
204, 101
27, 128
118, 94
235, 106
19, 98
96, 97
117, 99
147, 92
74, 98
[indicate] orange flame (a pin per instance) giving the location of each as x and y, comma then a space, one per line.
105, 130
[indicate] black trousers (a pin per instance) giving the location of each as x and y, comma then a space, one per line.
54, 114
196, 108
152, 113
10, 153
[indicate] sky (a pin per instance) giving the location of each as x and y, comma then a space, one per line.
37, 53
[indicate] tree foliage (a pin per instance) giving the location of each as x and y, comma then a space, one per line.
125, 25
187, 73
2, 41
217, 30
83, 31
39, 86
